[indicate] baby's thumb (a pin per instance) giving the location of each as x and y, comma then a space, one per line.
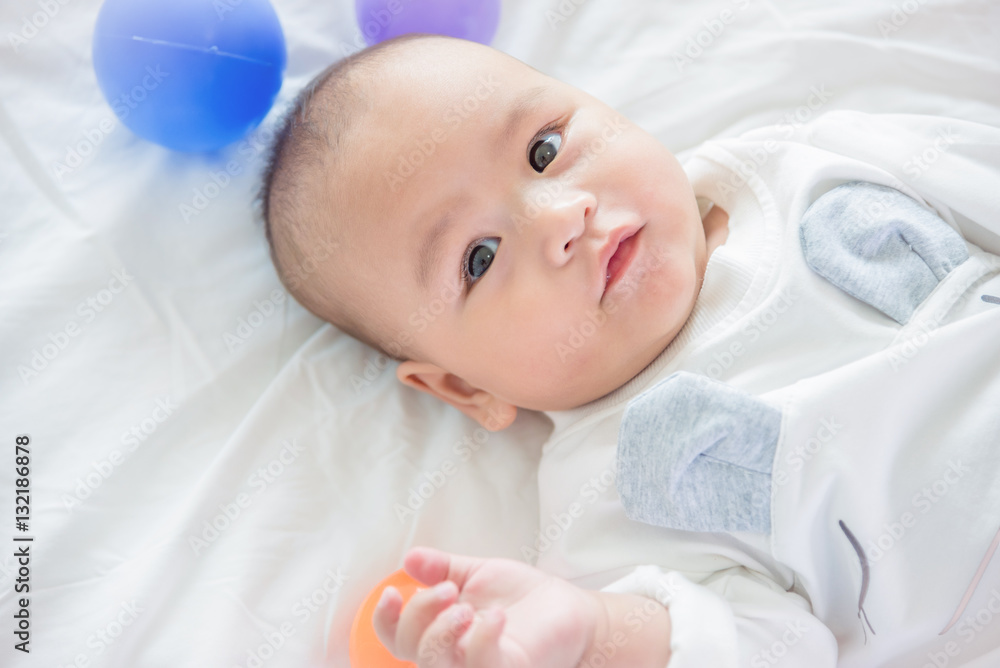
483, 650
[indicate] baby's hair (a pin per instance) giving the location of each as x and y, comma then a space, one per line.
306, 146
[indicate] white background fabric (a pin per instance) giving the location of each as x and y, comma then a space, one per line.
329, 514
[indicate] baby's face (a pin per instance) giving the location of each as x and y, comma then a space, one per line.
484, 199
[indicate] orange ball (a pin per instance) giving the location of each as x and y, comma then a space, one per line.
366, 650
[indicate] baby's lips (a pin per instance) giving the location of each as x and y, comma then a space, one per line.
616, 254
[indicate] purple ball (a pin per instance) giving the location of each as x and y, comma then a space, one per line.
474, 20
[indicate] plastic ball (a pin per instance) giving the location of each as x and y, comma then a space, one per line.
474, 20
366, 650
191, 75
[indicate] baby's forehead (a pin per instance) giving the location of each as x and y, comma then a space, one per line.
420, 107
442, 69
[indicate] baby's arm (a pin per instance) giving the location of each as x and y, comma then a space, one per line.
512, 615
499, 613
733, 617
633, 630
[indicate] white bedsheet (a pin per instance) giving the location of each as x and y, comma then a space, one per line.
161, 371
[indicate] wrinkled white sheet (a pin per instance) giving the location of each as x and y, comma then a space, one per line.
149, 421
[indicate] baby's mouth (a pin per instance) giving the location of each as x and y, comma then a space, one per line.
621, 259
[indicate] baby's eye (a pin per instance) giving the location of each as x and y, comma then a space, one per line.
478, 259
544, 151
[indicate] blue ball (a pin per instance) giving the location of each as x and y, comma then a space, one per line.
191, 75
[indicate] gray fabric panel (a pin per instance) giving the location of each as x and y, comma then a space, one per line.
696, 454
880, 246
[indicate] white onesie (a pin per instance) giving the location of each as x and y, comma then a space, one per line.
809, 474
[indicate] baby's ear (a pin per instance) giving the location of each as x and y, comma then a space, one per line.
492, 413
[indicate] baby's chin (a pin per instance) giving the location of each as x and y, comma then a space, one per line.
586, 391
599, 384
571, 402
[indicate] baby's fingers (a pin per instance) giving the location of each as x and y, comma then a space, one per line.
386, 619
483, 649
441, 647
401, 631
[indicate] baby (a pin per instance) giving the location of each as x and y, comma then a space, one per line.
513, 242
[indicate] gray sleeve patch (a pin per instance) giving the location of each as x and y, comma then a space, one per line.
695, 454
880, 246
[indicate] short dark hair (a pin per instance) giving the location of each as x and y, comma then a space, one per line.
308, 139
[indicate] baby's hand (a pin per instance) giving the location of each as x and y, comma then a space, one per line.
486, 613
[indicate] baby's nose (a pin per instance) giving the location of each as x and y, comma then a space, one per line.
563, 221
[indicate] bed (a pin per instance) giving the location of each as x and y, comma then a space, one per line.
217, 477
